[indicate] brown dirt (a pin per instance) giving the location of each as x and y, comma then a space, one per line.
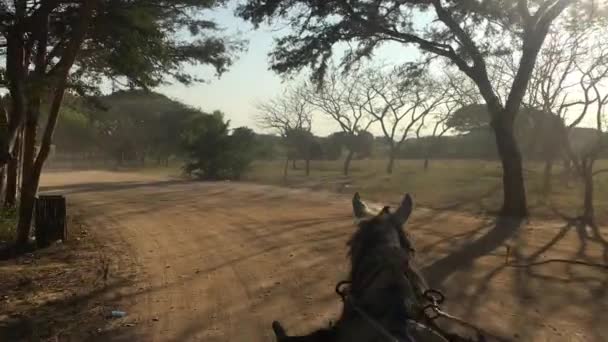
60, 293
220, 261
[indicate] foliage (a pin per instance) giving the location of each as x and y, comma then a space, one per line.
463, 33
300, 143
213, 153
8, 223
332, 146
140, 124
54, 47
139, 43
361, 143
468, 118
268, 146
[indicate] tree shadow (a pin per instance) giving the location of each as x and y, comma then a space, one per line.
437, 272
80, 314
109, 186
543, 287
476, 199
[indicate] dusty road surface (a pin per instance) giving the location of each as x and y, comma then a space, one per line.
220, 261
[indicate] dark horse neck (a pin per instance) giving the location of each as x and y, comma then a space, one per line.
317, 336
321, 335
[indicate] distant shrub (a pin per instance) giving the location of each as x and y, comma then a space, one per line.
215, 154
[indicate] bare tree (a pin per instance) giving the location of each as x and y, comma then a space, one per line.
457, 92
594, 84
290, 116
553, 90
571, 82
464, 32
399, 100
339, 99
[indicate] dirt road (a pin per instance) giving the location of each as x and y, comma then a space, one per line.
220, 261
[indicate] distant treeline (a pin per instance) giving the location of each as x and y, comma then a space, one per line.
143, 128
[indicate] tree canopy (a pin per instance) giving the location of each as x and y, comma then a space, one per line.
215, 153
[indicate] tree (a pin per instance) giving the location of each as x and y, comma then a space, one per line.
332, 146
213, 153
591, 96
399, 100
463, 32
137, 124
133, 43
469, 118
443, 114
290, 116
242, 151
300, 143
339, 99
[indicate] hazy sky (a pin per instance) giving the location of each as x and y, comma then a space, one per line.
249, 81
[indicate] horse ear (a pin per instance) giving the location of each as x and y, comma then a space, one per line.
279, 331
359, 208
405, 209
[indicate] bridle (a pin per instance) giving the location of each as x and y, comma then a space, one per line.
429, 312
434, 297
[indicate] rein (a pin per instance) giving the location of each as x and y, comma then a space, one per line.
341, 291
427, 314
435, 297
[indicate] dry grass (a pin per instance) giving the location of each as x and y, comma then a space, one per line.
61, 293
471, 185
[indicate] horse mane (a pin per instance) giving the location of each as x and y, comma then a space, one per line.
368, 249
366, 238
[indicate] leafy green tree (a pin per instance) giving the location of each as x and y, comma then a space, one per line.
469, 118
300, 143
132, 43
465, 33
267, 146
141, 124
215, 154
241, 151
332, 146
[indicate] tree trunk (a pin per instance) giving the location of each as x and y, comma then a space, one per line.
33, 167
16, 70
391, 160
514, 191
285, 168
10, 192
28, 186
307, 166
293, 164
2, 181
567, 167
349, 158
426, 163
547, 176
588, 209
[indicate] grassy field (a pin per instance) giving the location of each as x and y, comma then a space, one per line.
447, 185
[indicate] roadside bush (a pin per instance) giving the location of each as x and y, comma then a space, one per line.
215, 154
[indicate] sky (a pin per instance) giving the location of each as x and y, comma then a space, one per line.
249, 80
